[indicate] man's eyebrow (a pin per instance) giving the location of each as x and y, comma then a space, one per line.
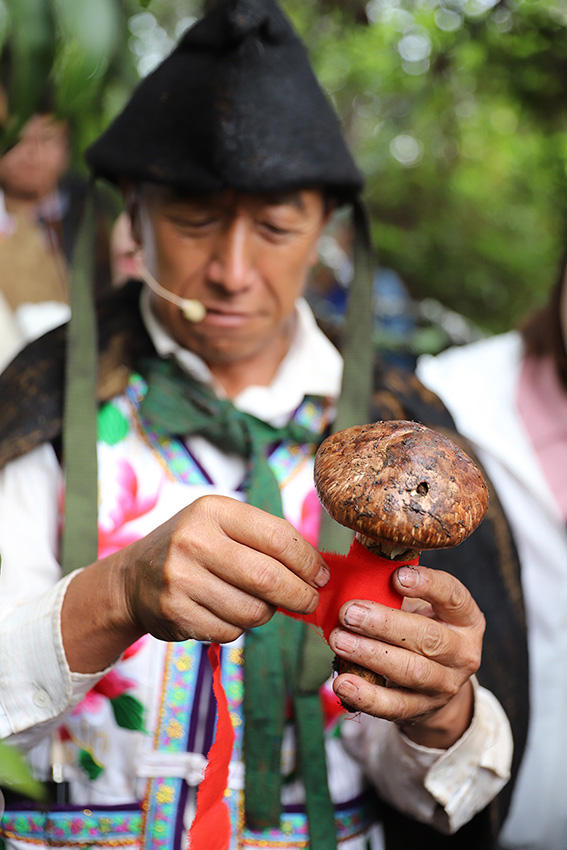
279, 198
288, 197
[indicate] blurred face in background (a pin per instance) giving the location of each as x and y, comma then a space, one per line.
32, 168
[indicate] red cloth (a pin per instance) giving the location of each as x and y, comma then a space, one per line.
211, 827
358, 575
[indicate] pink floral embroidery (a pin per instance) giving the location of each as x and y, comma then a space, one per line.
109, 687
113, 685
135, 647
310, 518
130, 506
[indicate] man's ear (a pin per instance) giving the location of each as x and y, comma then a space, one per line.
131, 197
329, 207
330, 204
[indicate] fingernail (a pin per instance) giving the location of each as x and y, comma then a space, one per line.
322, 577
347, 690
408, 577
313, 604
355, 615
345, 641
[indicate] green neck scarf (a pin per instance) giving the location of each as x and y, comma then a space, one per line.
181, 405
273, 652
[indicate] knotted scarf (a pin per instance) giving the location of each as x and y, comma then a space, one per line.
272, 655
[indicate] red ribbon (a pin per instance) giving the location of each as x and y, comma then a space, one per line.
210, 829
358, 575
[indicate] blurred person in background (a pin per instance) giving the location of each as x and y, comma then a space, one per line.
508, 397
328, 292
41, 206
11, 337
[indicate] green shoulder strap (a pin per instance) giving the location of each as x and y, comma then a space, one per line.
357, 348
353, 408
80, 542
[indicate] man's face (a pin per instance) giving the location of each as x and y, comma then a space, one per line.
32, 168
245, 257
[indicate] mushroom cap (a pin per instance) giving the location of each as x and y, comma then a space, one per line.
401, 483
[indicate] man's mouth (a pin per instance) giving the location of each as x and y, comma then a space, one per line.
226, 318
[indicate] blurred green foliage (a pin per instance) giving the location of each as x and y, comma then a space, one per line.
457, 113
455, 110
69, 53
16, 776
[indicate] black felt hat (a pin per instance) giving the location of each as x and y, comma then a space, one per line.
235, 104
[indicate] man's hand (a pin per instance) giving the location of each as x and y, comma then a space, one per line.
216, 568
427, 651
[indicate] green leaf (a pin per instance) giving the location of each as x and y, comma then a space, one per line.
95, 26
128, 712
4, 23
31, 40
91, 767
112, 425
16, 775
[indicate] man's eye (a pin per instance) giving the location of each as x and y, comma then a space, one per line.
275, 229
193, 223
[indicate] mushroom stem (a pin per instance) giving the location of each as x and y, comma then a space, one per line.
387, 551
393, 551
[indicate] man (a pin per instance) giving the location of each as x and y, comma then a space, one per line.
231, 161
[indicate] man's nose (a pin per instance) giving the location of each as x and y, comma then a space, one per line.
231, 264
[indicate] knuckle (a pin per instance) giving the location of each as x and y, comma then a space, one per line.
452, 688
209, 511
401, 711
229, 633
257, 613
206, 505
418, 672
459, 598
433, 642
280, 537
472, 658
265, 578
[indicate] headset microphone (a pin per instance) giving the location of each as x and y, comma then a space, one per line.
193, 310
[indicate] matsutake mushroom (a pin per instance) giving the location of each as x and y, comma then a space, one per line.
402, 488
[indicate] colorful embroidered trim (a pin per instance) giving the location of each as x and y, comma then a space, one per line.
351, 820
119, 827
312, 413
80, 827
165, 796
233, 684
177, 461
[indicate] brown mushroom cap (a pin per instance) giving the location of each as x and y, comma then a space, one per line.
402, 483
